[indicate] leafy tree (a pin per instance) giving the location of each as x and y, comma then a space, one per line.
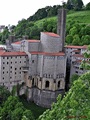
88, 6
4, 94
69, 39
73, 78
75, 105
28, 115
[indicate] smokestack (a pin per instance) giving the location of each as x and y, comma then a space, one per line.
61, 25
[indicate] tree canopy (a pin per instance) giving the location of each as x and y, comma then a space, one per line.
75, 104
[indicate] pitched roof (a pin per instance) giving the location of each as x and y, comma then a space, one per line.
77, 55
51, 34
48, 54
4, 53
76, 47
32, 41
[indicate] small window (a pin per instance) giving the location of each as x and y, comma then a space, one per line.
32, 61
20, 68
15, 62
58, 84
3, 72
20, 61
3, 57
15, 72
3, 62
3, 67
15, 68
32, 81
3, 78
7, 62
7, 71
11, 67
47, 84
7, 57
10, 77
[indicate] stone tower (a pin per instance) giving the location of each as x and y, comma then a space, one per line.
61, 25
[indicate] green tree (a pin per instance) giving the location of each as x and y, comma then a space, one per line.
88, 6
4, 94
28, 115
73, 78
75, 105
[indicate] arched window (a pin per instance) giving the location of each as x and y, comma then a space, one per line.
47, 84
32, 81
58, 84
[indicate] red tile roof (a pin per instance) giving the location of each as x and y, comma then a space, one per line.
51, 54
51, 34
76, 47
76, 51
4, 53
18, 42
77, 55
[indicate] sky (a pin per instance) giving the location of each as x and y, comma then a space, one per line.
11, 11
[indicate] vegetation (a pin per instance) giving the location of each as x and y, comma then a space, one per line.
77, 26
75, 105
36, 110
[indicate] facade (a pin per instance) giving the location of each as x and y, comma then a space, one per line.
41, 64
11, 68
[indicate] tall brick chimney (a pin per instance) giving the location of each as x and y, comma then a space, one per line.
61, 25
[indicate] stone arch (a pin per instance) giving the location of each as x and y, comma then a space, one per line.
58, 84
47, 84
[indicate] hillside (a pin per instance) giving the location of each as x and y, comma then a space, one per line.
81, 16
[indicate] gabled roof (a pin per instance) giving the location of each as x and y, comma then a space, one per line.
51, 34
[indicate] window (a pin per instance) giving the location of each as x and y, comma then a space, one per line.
20, 61
58, 84
7, 71
7, 62
11, 67
32, 81
47, 84
11, 62
15, 68
3, 72
7, 57
3, 57
15, 72
3, 67
3, 62
3, 78
32, 61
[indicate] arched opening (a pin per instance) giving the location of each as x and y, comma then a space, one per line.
33, 82
58, 84
47, 84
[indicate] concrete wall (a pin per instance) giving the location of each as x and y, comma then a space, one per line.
11, 72
50, 44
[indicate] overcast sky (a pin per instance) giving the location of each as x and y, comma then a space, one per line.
11, 11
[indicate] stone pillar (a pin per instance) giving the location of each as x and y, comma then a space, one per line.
61, 25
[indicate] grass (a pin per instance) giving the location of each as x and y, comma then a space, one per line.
36, 110
81, 16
